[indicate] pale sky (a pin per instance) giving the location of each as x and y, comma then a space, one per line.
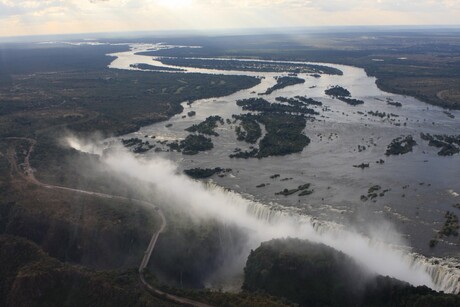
31, 17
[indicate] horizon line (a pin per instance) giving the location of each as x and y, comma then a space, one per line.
239, 31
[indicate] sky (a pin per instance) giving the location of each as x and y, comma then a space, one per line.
37, 17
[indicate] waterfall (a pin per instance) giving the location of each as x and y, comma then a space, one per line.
262, 222
444, 273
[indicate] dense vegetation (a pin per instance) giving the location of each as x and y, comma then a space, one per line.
113, 102
249, 65
262, 105
342, 94
191, 145
351, 101
249, 130
32, 278
284, 135
195, 143
304, 190
449, 144
312, 274
451, 226
421, 63
221, 298
373, 192
83, 98
47, 106
87, 230
284, 124
394, 103
207, 126
153, 67
239, 154
337, 91
401, 145
19, 59
137, 145
202, 173
307, 101
382, 114
282, 82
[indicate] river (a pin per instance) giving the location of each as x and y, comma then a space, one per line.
421, 185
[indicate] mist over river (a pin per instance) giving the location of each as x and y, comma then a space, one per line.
421, 185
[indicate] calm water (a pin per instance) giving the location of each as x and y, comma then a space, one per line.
422, 185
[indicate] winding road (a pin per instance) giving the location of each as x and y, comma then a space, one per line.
28, 174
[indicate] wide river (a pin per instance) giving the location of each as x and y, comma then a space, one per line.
421, 185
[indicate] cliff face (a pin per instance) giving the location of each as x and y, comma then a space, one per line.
31, 278
313, 274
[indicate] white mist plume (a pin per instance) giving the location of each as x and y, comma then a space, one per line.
80, 145
204, 201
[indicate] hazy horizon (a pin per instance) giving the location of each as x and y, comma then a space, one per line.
228, 32
51, 17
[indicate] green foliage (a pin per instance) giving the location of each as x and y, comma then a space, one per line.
449, 144
153, 67
262, 105
394, 103
195, 143
283, 82
249, 130
306, 273
31, 278
423, 64
201, 173
249, 65
28, 58
312, 274
337, 91
299, 101
450, 227
239, 154
401, 145
283, 125
284, 135
226, 299
342, 94
113, 102
83, 229
303, 188
207, 126
351, 101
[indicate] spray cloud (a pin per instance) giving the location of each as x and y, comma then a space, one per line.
204, 201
